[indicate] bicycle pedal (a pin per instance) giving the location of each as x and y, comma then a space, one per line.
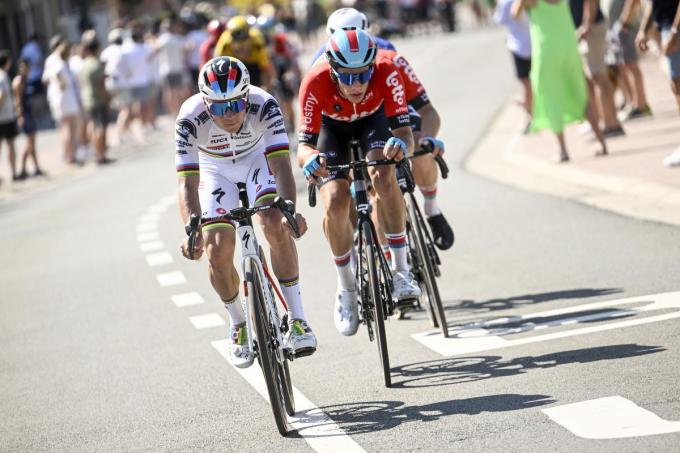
303, 352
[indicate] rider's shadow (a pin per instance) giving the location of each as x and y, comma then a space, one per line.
457, 370
366, 417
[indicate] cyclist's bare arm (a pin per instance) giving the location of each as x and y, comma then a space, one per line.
406, 135
430, 121
285, 184
187, 194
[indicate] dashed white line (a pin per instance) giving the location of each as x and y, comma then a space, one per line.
612, 417
144, 227
149, 218
158, 208
187, 299
207, 321
158, 259
149, 236
314, 425
171, 278
151, 246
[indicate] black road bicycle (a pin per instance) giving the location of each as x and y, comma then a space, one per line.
262, 316
374, 278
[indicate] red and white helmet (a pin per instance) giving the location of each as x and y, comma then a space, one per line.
224, 78
351, 48
346, 17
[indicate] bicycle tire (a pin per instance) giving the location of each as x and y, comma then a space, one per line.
418, 269
378, 303
433, 295
270, 369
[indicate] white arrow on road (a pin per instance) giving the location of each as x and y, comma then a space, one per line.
477, 337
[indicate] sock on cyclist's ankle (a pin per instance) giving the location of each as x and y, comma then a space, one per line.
290, 287
235, 310
398, 244
344, 269
431, 207
386, 252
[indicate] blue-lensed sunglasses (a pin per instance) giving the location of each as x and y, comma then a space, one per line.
349, 79
221, 108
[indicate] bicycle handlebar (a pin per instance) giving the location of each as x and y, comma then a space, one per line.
192, 231
241, 213
427, 148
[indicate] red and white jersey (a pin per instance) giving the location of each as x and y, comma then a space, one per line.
319, 96
416, 96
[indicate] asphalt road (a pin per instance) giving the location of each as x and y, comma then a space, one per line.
95, 356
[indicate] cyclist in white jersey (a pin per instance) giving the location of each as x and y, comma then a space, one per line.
233, 132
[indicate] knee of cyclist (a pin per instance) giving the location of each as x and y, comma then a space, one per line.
218, 255
384, 180
337, 208
271, 224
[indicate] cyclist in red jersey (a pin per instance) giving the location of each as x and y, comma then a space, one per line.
354, 95
425, 129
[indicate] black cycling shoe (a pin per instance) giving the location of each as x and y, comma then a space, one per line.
442, 232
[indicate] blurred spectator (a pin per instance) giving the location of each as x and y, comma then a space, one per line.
23, 91
135, 70
624, 25
75, 64
519, 44
666, 17
557, 79
8, 123
32, 53
591, 29
62, 95
171, 50
111, 56
194, 39
94, 97
207, 50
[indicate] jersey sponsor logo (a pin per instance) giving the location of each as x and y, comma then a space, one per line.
219, 140
397, 88
279, 131
219, 193
401, 62
254, 108
404, 119
202, 117
183, 144
270, 110
185, 128
308, 108
181, 152
306, 137
275, 124
220, 211
256, 173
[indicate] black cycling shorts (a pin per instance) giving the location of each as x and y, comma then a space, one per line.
372, 132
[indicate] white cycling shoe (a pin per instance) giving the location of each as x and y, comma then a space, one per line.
300, 339
405, 286
240, 354
346, 312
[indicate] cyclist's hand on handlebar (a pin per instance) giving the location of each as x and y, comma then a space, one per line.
315, 166
395, 148
198, 247
301, 223
435, 144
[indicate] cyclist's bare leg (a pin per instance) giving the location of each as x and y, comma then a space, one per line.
338, 228
219, 246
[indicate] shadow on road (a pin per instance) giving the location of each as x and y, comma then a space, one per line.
526, 299
366, 417
458, 370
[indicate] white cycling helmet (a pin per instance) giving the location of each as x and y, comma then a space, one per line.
223, 78
346, 17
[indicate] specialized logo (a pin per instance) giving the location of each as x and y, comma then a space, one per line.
185, 128
308, 108
255, 175
246, 238
397, 88
270, 110
219, 193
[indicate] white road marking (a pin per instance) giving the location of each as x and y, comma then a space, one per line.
477, 337
158, 259
144, 227
157, 208
207, 321
613, 417
314, 425
187, 299
171, 278
168, 200
149, 236
149, 218
151, 246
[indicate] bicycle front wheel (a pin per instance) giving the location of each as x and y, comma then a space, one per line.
428, 275
276, 381
378, 305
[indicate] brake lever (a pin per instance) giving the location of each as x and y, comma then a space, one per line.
192, 230
311, 194
287, 208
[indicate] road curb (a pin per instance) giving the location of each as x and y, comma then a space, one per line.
499, 157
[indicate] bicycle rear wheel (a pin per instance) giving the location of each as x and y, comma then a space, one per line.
275, 380
378, 309
432, 289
